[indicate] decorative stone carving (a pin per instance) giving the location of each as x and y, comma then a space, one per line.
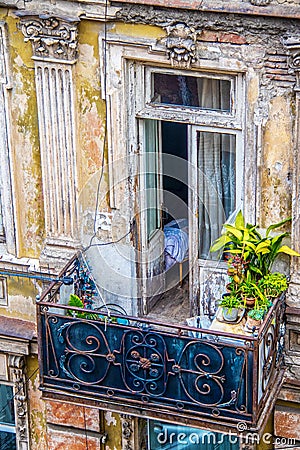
292, 43
16, 365
127, 432
260, 2
51, 37
181, 44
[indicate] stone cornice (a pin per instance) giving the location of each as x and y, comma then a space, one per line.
52, 38
246, 7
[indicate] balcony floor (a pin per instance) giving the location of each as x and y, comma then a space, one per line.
173, 306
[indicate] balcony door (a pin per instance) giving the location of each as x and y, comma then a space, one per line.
190, 139
191, 184
164, 183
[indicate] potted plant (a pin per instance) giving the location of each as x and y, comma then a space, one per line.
230, 305
257, 253
76, 302
250, 256
254, 319
273, 284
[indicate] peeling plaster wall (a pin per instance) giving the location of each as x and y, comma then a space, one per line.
276, 186
37, 408
25, 145
21, 299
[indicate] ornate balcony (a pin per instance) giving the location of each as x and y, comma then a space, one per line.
180, 374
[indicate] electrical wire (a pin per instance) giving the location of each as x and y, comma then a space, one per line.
106, 112
100, 244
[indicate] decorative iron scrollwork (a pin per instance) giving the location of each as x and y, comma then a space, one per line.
201, 365
144, 362
87, 355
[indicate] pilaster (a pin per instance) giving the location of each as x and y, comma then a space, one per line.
129, 432
54, 43
16, 367
293, 47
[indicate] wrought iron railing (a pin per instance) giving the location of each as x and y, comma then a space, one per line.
155, 369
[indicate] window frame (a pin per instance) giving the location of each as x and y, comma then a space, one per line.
196, 119
190, 114
5, 427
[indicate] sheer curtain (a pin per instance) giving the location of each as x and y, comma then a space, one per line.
216, 170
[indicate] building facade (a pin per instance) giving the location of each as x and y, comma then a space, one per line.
117, 118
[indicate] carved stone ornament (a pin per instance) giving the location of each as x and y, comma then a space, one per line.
260, 2
127, 432
181, 44
16, 366
292, 43
51, 37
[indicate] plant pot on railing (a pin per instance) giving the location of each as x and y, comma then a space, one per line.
230, 314
230, 305
254, 319
249, 301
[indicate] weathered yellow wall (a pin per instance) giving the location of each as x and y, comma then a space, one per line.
37, 407
113, 429
276, 182
22, 293
24, 143
137, 30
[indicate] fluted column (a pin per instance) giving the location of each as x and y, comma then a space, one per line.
54, 43
293, 46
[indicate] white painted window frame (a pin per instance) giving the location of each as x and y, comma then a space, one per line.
8, 428
129, 59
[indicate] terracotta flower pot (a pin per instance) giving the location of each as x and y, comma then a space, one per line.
250, 301
252, 324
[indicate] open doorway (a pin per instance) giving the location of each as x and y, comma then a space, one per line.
174, 301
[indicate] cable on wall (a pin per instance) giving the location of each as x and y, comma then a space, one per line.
105, 126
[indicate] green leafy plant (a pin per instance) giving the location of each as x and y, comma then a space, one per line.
256, 252
230, 301
256, 314
76, 302
273, 284
250, 289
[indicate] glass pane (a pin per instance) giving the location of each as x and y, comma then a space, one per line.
163, 436
205, 93
151, 176
217, 185
7, 414
7, 441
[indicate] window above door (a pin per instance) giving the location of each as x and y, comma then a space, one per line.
208, 93
195, 97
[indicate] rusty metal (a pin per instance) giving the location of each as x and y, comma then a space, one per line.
144, 366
